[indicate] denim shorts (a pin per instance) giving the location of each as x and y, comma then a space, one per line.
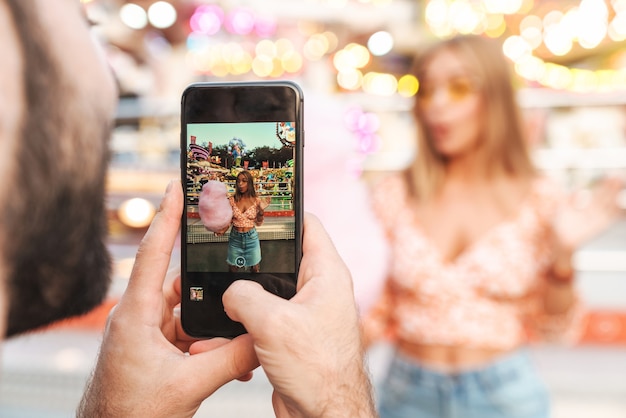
244, 249
508, 387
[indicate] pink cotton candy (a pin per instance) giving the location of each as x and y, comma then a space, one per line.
214, 209
335, 193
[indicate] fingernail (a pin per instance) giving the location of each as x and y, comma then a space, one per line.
169, 186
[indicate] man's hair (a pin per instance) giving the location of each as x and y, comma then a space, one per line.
53, 216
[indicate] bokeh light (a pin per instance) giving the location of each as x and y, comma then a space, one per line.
531, 29
553, 30
162, 14
265, 26
557, 40
516, 48
262, 66
350, 79
617, 27
352, 56
496, 25
136, 212
133, 16
292, 61
502, 6
531, 68
408, 85
240, 21
316, 47
380, 84
207, 19
380, 43
266, 48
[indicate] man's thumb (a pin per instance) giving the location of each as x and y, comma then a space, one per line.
247, 302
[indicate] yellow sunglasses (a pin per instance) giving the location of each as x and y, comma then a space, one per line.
457, 89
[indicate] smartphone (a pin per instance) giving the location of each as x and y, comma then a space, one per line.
235, 133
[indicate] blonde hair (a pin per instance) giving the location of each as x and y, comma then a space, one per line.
503, 149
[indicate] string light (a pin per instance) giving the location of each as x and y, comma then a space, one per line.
529, 40
587, 25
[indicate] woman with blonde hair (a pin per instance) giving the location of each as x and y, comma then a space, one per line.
480, 257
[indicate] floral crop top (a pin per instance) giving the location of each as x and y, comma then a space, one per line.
489, 297
245, 219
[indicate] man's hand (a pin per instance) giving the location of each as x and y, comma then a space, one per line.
143, 369
309, 346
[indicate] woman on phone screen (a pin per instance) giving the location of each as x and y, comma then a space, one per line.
244, 248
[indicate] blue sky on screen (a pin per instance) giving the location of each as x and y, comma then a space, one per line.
255, 134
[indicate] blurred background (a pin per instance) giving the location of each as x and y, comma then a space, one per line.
351, 58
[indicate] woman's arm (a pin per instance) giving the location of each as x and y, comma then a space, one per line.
572, 226
260, 216
261, 203
559, 294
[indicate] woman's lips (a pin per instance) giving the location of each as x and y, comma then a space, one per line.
440, 132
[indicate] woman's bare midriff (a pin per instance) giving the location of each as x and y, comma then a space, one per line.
242, 229
449, 359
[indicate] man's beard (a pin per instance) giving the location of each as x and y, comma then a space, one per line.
53, 215
55, 250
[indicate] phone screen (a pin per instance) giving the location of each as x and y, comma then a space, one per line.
246, 136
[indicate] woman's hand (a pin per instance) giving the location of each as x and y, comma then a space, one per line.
587, 214
264, 202
583, 216
222, 231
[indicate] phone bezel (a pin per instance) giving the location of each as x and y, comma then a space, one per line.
254, 101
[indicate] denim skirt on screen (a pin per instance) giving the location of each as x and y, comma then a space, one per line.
244, 249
